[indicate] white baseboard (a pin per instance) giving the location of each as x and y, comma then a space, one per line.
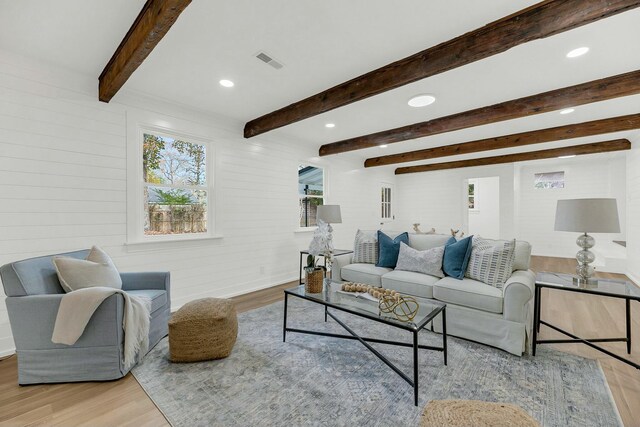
9, 352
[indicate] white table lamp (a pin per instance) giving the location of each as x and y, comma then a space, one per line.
587, 216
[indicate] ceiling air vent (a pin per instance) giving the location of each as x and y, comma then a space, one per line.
269, 60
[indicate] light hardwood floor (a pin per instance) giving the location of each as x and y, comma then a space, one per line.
124, 403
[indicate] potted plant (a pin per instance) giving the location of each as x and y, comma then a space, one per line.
314, 276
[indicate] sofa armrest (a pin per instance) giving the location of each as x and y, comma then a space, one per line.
518, 291
147, 280
338, 263
33, 318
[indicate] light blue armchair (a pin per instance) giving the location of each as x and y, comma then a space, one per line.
33, 296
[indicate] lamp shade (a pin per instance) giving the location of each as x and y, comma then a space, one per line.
587, 216
329, 214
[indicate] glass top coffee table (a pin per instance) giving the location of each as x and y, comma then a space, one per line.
620, 289
333, 300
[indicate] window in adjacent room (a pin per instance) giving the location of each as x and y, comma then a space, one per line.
311, 193
176, 194
471, 195
386, 206
547, 180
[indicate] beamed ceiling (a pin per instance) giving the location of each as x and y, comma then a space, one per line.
325, 44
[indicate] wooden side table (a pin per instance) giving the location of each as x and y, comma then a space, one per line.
336, 252
604, 288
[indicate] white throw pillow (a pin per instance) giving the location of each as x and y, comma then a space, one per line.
491, 264
97, 270
365, 247
426, 262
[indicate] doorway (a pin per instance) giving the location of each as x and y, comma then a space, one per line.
482, 205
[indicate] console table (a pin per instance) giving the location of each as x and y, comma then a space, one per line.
335, 253
603, 288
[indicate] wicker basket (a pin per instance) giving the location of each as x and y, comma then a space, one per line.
313, 281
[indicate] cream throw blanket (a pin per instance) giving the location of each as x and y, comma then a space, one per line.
77, 307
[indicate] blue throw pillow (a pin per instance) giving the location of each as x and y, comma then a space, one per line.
456, 257
388, 249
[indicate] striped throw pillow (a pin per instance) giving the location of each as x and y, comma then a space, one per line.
365, 247
491, 264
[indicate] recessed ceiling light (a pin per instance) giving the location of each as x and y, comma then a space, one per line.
421, 100
330, 125
226, 83
577, 52
567, 111
383, 146
570, 156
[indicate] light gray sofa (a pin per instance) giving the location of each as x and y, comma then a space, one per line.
33, 296
498, 317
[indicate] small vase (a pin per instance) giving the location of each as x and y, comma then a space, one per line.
313, 281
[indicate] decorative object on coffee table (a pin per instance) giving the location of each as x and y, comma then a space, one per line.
466, 413
314, 276
403, 307
203, 329
587, 216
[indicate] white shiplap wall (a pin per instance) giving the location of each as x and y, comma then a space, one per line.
592, 176
63, 186
436, 199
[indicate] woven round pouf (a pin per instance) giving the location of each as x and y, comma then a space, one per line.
466, 413
203, 329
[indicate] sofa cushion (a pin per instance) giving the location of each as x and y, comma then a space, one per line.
469, 293
426, 262
365, 247
158, 297
422, 242
491, 264
363, 273
456, 257
522, 256
409, 282
389, 248
97, 270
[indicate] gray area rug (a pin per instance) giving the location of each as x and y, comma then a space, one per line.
320, 381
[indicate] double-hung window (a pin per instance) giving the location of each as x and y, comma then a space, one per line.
311, 193
175, 186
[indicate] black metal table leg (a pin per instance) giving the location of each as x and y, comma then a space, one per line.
300, 270
415, 367
284, 325
628, 303
444, 334
536, 319
325, 313
539, 298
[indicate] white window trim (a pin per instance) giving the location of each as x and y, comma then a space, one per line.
139, 124
325, 193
